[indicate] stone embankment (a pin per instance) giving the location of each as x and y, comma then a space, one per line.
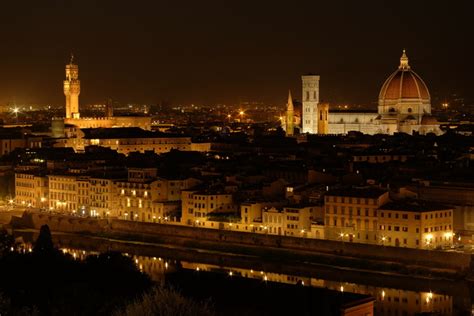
371, 257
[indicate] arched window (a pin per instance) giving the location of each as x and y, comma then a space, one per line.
314, 95
392, 110
307, 95
410, 110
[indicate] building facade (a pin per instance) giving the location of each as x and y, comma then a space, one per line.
310, 99
352, 214
415, 224
404, 105
31, 189
72, 89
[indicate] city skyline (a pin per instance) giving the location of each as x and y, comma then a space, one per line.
214, 53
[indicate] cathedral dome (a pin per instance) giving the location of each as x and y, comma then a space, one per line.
404, 85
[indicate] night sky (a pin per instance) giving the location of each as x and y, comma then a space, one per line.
230, 51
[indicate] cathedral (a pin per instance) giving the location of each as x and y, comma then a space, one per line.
404, 105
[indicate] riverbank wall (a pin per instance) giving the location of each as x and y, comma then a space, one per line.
284, 247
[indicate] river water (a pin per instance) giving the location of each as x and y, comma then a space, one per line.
394, 294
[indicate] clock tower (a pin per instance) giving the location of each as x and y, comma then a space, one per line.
72, 89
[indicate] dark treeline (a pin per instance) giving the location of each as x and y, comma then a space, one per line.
48, 282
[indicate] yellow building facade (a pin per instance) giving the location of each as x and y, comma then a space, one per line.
352, 214
31, 189
416, 224
197, 205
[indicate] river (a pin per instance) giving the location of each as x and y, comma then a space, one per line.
394, 294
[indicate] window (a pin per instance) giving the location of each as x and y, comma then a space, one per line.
417, 217
396, 228
405, 229
405, 216
307, 95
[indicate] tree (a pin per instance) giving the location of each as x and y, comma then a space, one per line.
44, 243
6, 242
162, 301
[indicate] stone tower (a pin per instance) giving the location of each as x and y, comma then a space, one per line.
72, 89
289, 116
323, 124
109, 108
310, 103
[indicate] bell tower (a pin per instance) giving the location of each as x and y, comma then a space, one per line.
72, 89
310, 103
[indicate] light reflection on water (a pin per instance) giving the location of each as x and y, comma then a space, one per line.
389, 301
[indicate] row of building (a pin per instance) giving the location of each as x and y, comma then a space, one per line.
368, 215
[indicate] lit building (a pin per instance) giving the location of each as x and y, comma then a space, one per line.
72, 89
351, 214
415, 224
127, 140
102, 197
294, 220
404, 105
31, 189
198, 205
63, 193
310, 103
252, 212
144, 197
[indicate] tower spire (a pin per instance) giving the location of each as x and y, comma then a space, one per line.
404, 61
290, 101
72, 59
289, 115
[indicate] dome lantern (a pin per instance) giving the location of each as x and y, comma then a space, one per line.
404, 61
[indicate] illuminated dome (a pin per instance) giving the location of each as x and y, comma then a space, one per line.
404, 92
404, 83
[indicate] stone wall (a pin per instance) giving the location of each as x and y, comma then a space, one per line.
169, 233
433, 258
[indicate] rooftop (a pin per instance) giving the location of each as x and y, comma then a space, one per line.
414, 206
369, 192
124, 132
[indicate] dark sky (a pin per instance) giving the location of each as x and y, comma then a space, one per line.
226, 51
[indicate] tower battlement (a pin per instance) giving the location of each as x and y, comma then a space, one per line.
72, 89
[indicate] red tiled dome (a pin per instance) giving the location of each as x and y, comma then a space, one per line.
404, 84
